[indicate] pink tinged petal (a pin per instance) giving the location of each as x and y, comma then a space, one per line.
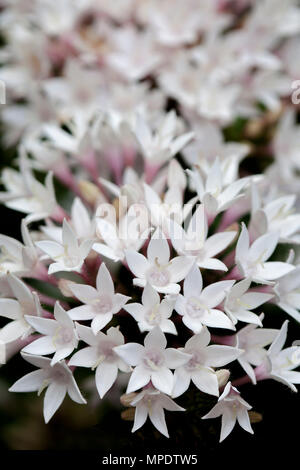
131, 353
155, 339
45, 326
100, 321
119, 301
182, 381
263, 247
86, 357
175, 358
140, 417
137, 263
193, 324
86, 334
138, 379
84, 293
242, 246
10, 308
218, 356
200, 340
248, 369
215, 412
105, 251
217, 243
29, 383
54, 397
106, 375
255, 299
179, 268
217, 319
40, 346
244, 421
84, 312
150, 297
104, 281
13, 331
52, 249
213, 294
62, 316
158, 420
193, 283
206, 381
21, 291
158, 250
212, 263
62, 353
69, 237
273, 270
74, 392
137, 311
163, 380
228, 423
279, 341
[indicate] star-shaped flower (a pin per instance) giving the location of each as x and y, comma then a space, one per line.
100, 303
101, 356
58, 380
68, 255
157, 269
197, 306
199, 368
59, 335
232, 408
152, 312
252, 260
151, 402
19, 310
152, 362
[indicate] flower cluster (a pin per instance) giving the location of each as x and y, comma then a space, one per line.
127, 104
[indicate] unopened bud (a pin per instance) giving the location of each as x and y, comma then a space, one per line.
127, 398
255, 417
90, 192
128, 415
222, 376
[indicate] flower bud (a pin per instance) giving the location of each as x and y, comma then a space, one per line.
90, 192
64, 287
128, 415
127, 398
255, 417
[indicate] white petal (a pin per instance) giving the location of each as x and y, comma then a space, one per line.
192, 285
179, 268
29, 383
10, 308
13, 330
86, 357
131, 353
157, 418
155, 339
54, 397
104, 281
206, 380
181, 382
84, 312
217, 319
100, 321
45, 326
213, 294
40, 346
141, 413
228, 423
163, 380
218, 356
106, 375
138, 379
175, 358
137, 263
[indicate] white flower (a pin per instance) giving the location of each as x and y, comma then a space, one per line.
197, 306
100, 355
253, 341
287, 290
152, 362
252, 260
68, 255
157, 269
59, 335
15, 257
130, 233
239, 303
152, 312
161, 145
212, 190
58, 379
27, 304
151, 402
233, 408
100, 303
199, 368
194, 242
281, 362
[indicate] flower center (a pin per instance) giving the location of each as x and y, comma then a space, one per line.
194, 308
62, 336
153, 360
103, 304
196, 361
158, 276
153, 316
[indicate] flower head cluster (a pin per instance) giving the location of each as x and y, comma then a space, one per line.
160, 225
